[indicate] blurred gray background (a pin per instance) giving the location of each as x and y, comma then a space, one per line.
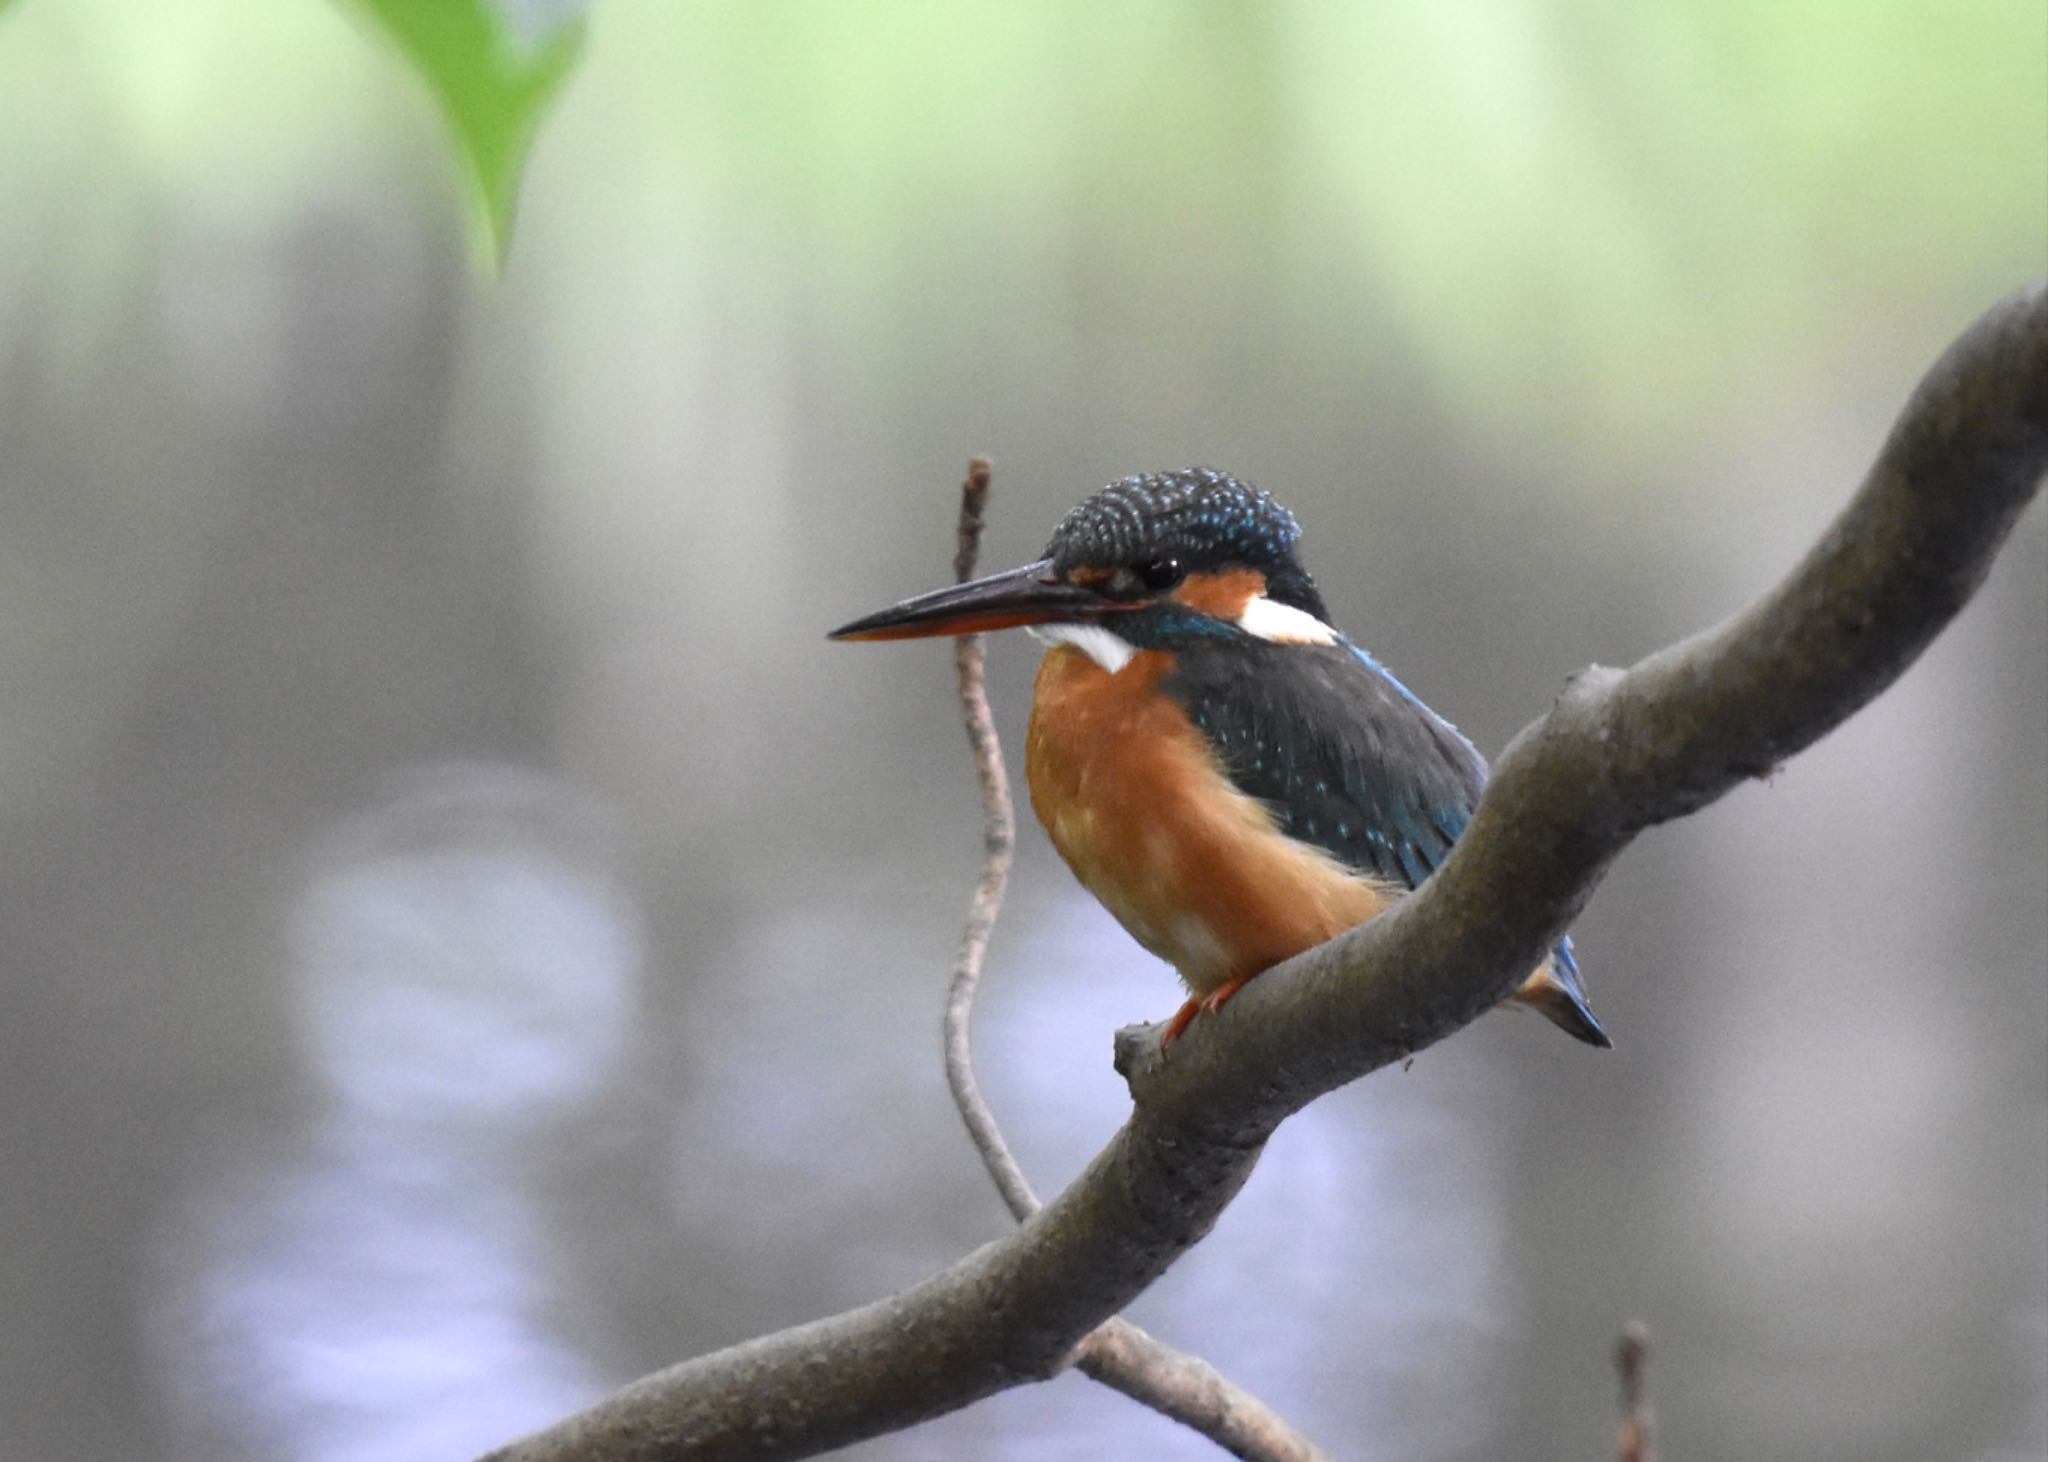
468, 940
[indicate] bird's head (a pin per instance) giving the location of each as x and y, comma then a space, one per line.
1148, 560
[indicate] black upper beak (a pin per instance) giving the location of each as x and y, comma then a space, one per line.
1032, 594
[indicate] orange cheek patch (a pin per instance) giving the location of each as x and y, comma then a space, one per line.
1224, 594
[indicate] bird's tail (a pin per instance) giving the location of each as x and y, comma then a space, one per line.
1555, 993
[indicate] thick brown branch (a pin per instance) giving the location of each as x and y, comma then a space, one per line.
1623, 750
1617, 753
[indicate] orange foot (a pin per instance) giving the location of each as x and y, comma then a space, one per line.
1211, 1003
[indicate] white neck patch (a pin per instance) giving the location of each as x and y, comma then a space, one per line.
1109, 650
1283, 624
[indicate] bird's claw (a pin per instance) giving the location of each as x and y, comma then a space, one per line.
1207, 1004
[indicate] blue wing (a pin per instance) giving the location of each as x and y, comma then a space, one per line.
1350, 760
1347, 758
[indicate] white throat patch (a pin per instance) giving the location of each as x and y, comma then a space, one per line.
1283, 624
1111, 651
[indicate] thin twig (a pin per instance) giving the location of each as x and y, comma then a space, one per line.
1194, 1393
1638, 1439
999, 841
1117, 1353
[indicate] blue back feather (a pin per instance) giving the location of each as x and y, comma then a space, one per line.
1345, 756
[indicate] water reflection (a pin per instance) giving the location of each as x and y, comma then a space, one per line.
375, 1282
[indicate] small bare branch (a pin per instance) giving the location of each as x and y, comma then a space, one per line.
1191, 1391
1637, 1441
1619, 752
999, 841
1117, 1353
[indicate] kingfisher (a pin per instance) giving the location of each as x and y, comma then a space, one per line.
1228, 774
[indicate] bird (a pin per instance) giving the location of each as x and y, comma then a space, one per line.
1227, 773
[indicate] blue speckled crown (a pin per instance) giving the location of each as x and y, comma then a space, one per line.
1201, 516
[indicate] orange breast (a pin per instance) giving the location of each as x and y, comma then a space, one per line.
1134, 800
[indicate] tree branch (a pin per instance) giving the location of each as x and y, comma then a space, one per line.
1116, 1353
999, 840
1618, 752
1636, 1440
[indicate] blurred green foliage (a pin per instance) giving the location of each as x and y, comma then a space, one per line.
493, 77
1530, 201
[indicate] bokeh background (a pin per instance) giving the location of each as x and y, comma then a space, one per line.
468, 940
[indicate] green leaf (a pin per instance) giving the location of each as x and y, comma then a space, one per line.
493, 66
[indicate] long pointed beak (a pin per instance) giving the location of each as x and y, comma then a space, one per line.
1027, 595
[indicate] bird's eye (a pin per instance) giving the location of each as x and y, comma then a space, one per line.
1162, 574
